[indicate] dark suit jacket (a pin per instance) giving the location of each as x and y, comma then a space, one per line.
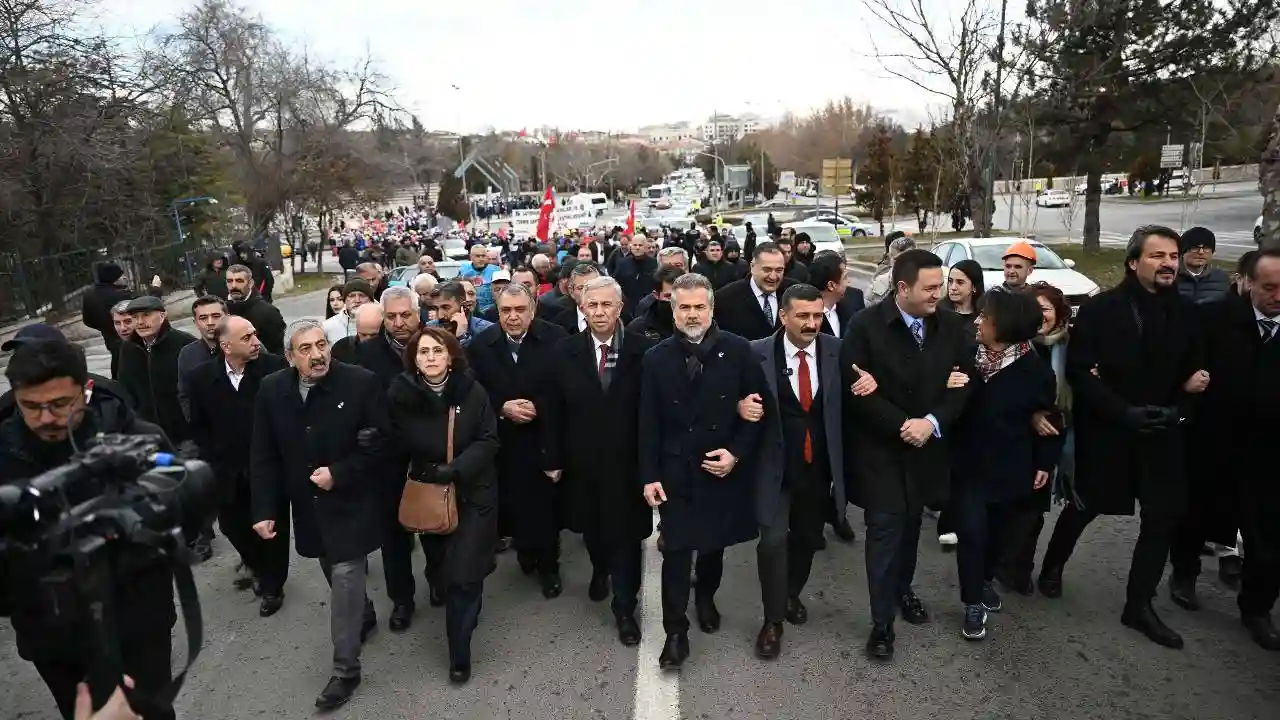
884, 473
738, 312
222, 417
770, 465
851, 304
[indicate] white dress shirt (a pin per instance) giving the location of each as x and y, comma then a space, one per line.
773, 300
233, 376
832, 319
1259, 317
793, 365
582, 320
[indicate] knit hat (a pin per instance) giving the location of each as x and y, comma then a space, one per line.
109, 272
1198, 237
357, 285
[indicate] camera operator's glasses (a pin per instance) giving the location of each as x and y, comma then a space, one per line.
58, 408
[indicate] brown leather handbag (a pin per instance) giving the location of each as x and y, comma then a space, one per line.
427, 507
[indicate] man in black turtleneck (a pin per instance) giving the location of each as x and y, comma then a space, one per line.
1133, 369
244, 301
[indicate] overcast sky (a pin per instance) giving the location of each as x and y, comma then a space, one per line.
586, 64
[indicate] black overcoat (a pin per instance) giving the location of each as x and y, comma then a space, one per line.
343, 425
150, 374
530, 500
883, 473
418, 441
680, 421
737, 310
1110, 369
592, 436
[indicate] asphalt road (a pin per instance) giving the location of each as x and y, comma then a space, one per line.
1229, 210
537, 659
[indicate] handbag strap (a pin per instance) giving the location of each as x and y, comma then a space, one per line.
448, 451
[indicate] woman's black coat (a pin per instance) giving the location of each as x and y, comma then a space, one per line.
343, 425
593, 436
418, 440
996, 451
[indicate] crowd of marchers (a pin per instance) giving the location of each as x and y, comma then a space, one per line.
582, 392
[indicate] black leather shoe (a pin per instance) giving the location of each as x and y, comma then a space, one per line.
708, 615
628, 630
769, 641
368, 626
1229, 569
844, 531
336, 693
401, 617
1145, 621
599, 589
271, 603
880, 644
551, 585
1182, 591
1262, 631
1051, 581
797, 613
459, 673
435, 595
674, 652
913, 609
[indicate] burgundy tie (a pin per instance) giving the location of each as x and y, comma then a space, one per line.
806, 401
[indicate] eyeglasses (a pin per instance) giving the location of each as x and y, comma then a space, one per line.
58, 408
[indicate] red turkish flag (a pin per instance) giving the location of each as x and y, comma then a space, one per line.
631, 220
544, 217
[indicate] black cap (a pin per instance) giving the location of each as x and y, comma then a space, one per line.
1198, 237
33, 333
146, 303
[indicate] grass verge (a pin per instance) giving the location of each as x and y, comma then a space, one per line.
310, 282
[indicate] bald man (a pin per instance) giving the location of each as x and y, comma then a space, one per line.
221, 395
368, 325
423, 285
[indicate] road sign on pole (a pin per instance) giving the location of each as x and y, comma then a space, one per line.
1171, 156
837, 176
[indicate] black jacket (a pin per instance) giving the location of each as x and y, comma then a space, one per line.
144, 601
378, 357
738, 312
719, 273
263, 280
419, 430
150, 374
266, 319
95, 310
851, 304
222, 417
636, 277
655, 323
342, 425
882, 472
1210, 286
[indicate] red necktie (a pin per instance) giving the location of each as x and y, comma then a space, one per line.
806, 401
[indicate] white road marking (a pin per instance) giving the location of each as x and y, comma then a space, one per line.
657, 691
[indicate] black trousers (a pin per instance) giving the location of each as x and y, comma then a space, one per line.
676, 566
268, 560
982, 528
1017, 552
461, 616
1155, 536
1260, 576
1201, 524
789, 540
893, 540
622, 562
146, 660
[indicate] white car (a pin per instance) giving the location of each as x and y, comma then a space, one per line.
1257, 231
1053, 198
1050, 267
823, 235
1082, 188
845, 225
455, 248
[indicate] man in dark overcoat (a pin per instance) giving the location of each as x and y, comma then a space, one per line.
512, 361
801, 452
591, 431
1133, 369
896, 439
318, 432
695, 456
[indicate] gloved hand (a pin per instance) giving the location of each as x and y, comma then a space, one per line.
446, 474
1135, 418
1161, 417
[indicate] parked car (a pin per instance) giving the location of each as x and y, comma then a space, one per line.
403, 275
845, 225
1053, 198
1257, 231
823, 235
1050, 267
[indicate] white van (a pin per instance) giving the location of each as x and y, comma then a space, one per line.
598, 203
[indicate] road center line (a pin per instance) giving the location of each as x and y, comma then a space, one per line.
657, 692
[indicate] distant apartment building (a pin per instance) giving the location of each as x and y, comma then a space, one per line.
665, 134
727, 128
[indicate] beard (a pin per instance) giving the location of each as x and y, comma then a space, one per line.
695, 333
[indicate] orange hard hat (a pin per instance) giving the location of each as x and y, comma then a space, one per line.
1021, 249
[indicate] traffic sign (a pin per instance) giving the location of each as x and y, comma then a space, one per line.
837, 176
1171, 156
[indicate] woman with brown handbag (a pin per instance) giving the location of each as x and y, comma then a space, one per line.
447, 436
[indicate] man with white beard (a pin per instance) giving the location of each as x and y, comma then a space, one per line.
693, 448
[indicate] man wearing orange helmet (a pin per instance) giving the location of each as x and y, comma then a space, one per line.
1019, 261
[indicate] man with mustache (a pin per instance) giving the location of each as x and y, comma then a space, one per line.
1134, 373
693, 448
243, 300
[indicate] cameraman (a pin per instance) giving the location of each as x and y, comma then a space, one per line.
57, 412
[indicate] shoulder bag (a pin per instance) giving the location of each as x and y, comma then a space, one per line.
427, 507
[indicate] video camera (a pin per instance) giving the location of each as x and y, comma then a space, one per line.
70, 536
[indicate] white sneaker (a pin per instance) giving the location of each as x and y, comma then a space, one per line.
948, 539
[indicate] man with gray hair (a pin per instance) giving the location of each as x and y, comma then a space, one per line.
122, 323
692, 446
590, 423
318, 436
